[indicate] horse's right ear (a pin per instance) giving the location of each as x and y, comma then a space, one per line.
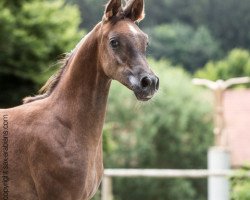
112, 9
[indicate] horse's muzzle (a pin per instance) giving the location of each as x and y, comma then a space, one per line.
147, 87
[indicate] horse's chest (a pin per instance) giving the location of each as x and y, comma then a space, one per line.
85, 174
69, 172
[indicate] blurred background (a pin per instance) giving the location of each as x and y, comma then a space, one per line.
188, 38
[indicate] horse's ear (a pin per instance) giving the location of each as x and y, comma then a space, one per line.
135, 10
112, 9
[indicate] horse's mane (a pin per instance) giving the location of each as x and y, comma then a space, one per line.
52, 82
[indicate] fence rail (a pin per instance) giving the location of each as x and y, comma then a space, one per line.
171, 173
162, 173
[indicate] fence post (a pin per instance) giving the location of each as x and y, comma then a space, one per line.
107, 188
218, 187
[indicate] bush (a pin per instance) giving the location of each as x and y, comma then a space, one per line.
236, 64
241, 185
183, 45
171, 131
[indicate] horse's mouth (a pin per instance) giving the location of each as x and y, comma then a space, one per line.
142, 97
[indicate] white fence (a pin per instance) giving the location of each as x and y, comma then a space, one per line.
160, 173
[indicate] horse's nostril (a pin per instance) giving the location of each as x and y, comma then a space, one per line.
146, 82
157, 83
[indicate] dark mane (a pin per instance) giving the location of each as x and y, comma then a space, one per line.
52, 82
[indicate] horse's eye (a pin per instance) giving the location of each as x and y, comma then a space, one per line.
114, 43
147, 44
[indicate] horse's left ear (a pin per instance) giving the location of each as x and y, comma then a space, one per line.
135, 10
113, 7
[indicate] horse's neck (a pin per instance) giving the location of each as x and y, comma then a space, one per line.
81, 96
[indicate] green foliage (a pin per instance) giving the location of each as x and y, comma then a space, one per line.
31, 37
241, 190
241, 185
183, 44
191, 12
172, 131
13, 4
91, 11
236, 64
227, 20
157, 189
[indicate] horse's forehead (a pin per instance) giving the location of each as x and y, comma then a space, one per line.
127, 27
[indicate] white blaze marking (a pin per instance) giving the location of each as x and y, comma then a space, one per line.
133, 30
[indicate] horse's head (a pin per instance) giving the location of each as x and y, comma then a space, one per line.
123, 47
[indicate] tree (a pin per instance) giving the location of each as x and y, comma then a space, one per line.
32, 36
91, 11
190, 12
226, 21
183, 45
229, 22
172, 131
236, 64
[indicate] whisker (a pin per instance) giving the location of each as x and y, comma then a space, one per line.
138, 105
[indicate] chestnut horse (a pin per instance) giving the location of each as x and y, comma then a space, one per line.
52, 144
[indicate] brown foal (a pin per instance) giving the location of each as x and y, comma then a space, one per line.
52, 144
